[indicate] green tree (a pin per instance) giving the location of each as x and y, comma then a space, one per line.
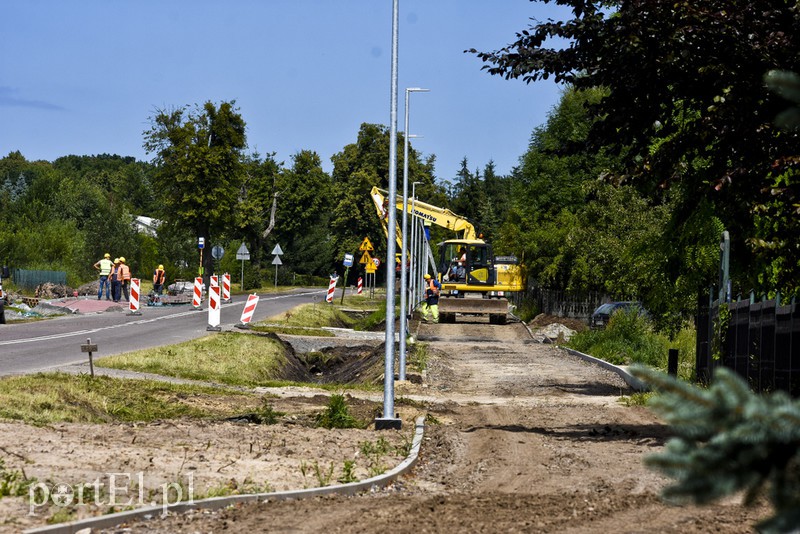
198, 158
304, 205
356, 169
686, 104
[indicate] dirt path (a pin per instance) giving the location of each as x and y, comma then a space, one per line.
523, 438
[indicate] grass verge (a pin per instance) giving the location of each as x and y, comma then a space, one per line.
225, 358
47, 398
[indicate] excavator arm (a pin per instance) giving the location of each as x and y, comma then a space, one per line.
439, 216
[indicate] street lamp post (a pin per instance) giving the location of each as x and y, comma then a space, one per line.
403, 233
389, 419
415, 251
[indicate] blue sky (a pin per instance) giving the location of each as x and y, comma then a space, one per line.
84, 76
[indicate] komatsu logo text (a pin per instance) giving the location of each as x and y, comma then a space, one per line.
425, 216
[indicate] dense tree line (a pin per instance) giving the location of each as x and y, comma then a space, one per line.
664, 137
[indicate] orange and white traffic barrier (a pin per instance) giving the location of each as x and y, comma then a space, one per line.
249, 310
226, 287
213, 308
331, 289
197, 298
133, 302
360, 286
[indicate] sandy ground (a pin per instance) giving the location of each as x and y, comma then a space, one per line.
521, 437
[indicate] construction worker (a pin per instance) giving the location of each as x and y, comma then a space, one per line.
104, 266
431, 304
158, 279
115, 283
124, 277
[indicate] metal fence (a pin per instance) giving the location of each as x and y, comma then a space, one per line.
565, 304
31, 279
760, 341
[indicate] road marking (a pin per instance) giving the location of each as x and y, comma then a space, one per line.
133, 323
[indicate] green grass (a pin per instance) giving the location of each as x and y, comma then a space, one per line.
225, 358
630, 338
58, 397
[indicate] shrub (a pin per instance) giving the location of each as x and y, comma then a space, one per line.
337, 415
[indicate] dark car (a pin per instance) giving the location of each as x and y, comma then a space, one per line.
603, 313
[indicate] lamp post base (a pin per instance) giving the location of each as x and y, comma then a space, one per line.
388, 423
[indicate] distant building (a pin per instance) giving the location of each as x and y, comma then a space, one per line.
146, 225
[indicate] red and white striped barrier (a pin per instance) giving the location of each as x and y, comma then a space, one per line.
197, 298
133, 302
249, 309
360, 287
331, 289
213, 307
226, 287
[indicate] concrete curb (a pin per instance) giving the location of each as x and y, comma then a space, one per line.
151, 512
622, 371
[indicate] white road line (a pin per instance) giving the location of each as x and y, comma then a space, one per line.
141, 321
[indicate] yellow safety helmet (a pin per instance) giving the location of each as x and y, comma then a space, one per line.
161, 267
116, 260
107, 255
121, 259
427, 276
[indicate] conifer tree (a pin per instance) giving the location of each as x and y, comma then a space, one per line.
728, 439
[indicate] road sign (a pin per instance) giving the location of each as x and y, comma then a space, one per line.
277, 250
371, 267
365, 258
201, 242
217, 252
277, 261
376, 261
348, 260
366, 245
242, 253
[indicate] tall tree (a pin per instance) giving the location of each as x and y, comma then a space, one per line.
304, 211
356, 169
686, 103
198, 158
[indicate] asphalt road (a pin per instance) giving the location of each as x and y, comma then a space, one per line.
43, 345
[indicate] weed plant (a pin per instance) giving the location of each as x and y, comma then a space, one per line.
13, 483
630, 338
337, 415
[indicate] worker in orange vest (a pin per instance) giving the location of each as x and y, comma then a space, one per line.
124, 277
158, 279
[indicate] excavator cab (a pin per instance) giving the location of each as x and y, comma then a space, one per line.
466, 262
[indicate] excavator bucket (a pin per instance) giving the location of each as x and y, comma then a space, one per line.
496, 309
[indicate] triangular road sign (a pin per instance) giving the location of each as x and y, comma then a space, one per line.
277, 250
365, 258
366, 245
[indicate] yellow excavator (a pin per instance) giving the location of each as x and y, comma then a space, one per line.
474, 281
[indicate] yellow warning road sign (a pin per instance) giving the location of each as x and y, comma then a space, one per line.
371, 268
365, 258
366, 245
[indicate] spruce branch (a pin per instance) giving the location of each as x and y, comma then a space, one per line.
729, 440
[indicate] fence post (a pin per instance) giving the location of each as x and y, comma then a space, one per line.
672, 364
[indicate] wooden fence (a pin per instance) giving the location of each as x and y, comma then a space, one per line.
760, 341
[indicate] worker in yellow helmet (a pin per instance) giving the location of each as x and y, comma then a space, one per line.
158, 280
124, 277
431, 304
115, 283
104, 266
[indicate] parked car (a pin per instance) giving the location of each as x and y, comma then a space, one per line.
603, 313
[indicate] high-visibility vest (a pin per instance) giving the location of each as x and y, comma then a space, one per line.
105, 266
124, 273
